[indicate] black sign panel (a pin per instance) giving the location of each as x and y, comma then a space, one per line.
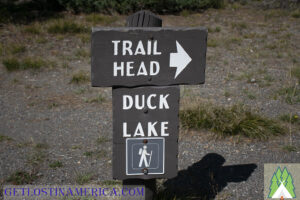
148, 56
145, 132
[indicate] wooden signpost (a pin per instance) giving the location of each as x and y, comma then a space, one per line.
145, 66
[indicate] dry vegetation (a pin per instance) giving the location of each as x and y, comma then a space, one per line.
252, 81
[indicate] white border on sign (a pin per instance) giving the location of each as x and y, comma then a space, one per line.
143, 138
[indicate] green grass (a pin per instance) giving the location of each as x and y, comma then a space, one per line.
291, 94
76, 147
274, 13
293, 118
101, 19
33, 63
235, 40
296, 72
33, 29
289, 148
88, 153
218, 29
55, 164
268, 78
5, 138
99, 99
82, 179
239, 25
1, 49
16, 49
80, 91
52, 105
80, 77
235, 120
185, 13
101, 140
85, 38
13, 64
246, 75
227, 94
97, 154
296, 13
271, 46
36, 158
110, 182
41, 40
215, 30
39, 146
249, 94
66, 27
82, 53
21, 178
212, 43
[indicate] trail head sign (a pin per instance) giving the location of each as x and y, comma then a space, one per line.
145, 66
148, 56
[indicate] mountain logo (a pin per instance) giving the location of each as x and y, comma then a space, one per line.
282, 185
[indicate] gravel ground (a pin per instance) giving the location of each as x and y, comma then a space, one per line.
50, 119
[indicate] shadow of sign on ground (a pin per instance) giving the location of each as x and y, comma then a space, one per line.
205, 178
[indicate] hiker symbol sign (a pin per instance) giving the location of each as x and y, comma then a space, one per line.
148, 156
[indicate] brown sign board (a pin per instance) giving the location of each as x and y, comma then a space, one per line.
145, 132
153, 56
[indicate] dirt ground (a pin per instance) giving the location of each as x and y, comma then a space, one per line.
47, 118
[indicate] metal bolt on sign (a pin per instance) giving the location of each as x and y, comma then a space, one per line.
145, 64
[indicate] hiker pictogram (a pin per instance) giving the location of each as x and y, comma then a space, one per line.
143, 153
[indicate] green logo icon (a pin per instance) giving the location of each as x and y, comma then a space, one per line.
282, 185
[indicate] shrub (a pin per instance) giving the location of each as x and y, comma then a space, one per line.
80, 77
129, 6
13, 64
21, 178
64, 27
229, 121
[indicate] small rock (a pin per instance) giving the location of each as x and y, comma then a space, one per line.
39, 174
229, 99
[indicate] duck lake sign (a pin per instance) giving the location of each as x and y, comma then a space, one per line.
145, 132
148, 56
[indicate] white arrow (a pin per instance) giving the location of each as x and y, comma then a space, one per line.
180, 59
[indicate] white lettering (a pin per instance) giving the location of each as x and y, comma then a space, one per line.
116, 68
125, 130
163, 101
139, 130
164, 128
127, 102
140, 49
152, 64
129, 67
155, 52
151, 129
137, 102
116, 42
149, 102
149, 44
127, 47
142, 70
